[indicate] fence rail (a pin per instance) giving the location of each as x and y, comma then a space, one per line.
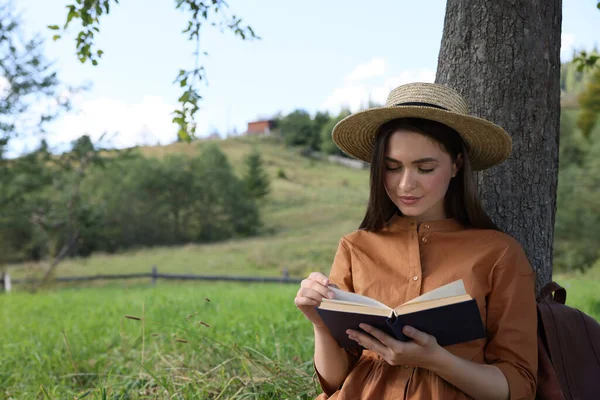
6, 281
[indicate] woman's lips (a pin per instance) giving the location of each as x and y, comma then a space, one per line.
408, 200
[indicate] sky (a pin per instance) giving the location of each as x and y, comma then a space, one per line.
312, 55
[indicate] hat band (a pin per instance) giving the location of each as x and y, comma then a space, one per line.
419, 104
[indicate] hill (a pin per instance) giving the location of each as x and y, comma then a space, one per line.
305, 215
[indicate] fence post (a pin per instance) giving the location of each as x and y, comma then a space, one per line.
154, 275
286, 274
5, 284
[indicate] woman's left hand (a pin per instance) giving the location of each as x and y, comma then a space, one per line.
422, 351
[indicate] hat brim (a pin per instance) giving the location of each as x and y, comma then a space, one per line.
487, 143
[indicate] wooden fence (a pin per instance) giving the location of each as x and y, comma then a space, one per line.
6, 281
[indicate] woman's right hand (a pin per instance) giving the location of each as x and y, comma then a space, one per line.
312, 290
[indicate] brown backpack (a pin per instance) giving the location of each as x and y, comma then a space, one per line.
568, 349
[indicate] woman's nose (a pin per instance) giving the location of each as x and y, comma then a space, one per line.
407, 182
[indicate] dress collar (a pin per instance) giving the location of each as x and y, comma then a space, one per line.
401, 223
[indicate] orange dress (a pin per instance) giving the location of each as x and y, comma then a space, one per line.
405, 260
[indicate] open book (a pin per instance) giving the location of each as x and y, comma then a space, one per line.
448, 313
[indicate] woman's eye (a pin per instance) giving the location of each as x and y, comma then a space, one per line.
426, 171
390, 168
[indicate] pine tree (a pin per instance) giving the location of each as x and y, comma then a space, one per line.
256, 178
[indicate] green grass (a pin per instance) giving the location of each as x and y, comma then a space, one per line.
257, 345
583, 290
72, 341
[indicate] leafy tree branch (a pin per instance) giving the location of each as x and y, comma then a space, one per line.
202, 12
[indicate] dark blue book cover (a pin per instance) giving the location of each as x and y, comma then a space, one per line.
449, 324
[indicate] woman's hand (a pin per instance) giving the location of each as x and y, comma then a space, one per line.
421, 352
312, 290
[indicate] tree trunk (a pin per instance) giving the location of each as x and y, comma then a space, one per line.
504, 58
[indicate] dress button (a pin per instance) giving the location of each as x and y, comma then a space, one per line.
415, 278
424, 240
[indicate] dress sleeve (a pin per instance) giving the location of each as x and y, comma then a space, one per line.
512, 322
341, 275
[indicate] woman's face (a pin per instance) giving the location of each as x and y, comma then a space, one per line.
417, 172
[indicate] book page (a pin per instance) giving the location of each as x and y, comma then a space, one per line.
429, 304
341, 295
344, 306
455, 288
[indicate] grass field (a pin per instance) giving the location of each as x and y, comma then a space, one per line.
244, 342
66, 342
62, 344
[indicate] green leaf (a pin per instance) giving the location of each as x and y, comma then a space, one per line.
72, 14
598, 5
94, 62
55, 37
185, 97
184, 136
45, 392
84, 395
100, 52
53, 27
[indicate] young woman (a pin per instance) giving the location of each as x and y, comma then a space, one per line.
425, 227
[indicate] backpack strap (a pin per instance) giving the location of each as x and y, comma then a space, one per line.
555, 292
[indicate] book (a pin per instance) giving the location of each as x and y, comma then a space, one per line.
448, 313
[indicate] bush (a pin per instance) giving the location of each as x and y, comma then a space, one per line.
327, 144
131, 202
577, 227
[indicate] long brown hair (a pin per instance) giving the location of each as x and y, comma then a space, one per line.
462, 199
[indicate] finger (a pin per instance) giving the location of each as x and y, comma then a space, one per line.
380, 335
308, 284
305, 301
368, 342
421, 338
319, 277
313, 294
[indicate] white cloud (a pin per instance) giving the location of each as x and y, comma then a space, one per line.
351, 96
123, 124
146, 122
356, 96
567, 41
375, 67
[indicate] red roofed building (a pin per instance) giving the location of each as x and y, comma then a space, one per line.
262, 127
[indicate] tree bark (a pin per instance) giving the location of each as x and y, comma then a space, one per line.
504, 58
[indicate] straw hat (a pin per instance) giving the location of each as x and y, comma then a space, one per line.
487, 143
